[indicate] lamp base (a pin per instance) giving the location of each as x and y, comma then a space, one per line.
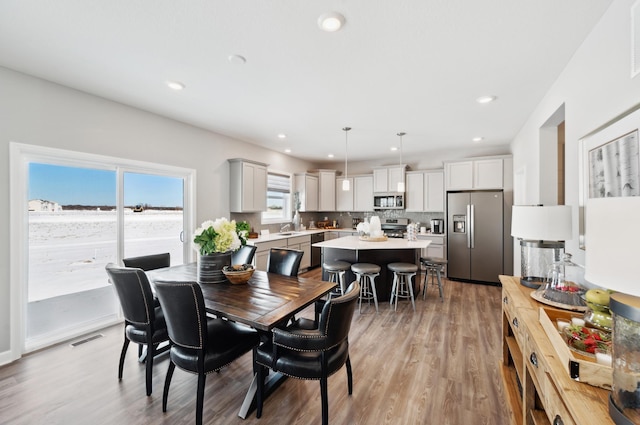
531, 282
616, 415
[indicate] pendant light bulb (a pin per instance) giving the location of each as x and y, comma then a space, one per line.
345, 183
401, 183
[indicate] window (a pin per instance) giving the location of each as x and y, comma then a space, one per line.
278, 198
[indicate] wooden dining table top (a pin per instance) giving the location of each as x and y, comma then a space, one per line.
266, 300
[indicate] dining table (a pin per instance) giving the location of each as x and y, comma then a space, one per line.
267, 300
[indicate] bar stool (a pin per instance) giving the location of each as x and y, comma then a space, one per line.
435, 268
402, 286
336, 270
366, 274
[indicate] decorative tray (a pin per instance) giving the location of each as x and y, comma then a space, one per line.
372, 239
538, 296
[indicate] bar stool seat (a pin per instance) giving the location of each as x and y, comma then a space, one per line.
434, 268
402, 286
336, 270
366, 274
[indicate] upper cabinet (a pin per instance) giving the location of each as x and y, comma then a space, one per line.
477, 174
425, 191
386, 179
307, 186
358, 198
326, 190
344, 198
248, 186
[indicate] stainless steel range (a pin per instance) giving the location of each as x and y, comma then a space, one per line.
394, 227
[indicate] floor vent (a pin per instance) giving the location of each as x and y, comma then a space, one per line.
82, 341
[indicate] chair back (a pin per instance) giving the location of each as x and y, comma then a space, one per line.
134, 292
244, 255
335, 319
183, 307
285, 261
148, 262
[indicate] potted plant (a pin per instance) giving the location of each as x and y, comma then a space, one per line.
215, 240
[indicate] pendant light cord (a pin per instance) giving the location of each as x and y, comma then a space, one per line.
346, 142
401, 134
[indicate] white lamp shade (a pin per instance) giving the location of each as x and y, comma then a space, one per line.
612, 234
345, 185
541, 223
400, 186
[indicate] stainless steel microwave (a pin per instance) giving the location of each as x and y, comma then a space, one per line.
388, 201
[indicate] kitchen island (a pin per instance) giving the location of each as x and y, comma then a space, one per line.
354, 250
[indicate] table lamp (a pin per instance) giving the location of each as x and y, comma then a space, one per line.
542, 231
612, 262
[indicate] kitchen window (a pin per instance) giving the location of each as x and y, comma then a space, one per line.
278, 198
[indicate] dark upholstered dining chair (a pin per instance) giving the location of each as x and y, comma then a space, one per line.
198, 345
311, 354
148, 262
144, 321
244, 255
285, 261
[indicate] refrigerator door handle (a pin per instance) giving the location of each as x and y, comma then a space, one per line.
472, 226
468, 225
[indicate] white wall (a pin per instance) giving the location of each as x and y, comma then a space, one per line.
38, 112
594, 87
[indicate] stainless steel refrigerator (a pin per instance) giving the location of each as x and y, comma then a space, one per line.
475, 242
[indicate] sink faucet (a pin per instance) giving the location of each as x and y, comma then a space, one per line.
286, 226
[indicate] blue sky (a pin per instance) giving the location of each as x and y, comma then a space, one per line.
85, 186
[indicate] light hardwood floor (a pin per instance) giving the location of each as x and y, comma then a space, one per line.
439, 365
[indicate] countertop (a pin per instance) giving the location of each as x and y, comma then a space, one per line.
354, 243
277, 236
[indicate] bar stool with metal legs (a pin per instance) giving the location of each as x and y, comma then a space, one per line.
434, 268
402, 285
366, 274
336, 270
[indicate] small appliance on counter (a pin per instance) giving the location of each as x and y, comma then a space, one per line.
394, 227
355, 221
437, 226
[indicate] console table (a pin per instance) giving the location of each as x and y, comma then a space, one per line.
537, 385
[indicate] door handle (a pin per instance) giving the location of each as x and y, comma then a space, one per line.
468, 225
472, 230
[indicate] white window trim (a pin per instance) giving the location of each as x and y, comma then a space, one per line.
20, 155
289, 215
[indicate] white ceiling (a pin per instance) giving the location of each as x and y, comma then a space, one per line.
403, 65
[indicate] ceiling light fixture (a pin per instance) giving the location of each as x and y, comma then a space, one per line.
394, 148
330, 155
282, 136
237, 59
345, 182
331, 21
401, 183
287, 150
478, 139
486, 99
175, 85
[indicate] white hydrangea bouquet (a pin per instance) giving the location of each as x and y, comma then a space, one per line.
220, 235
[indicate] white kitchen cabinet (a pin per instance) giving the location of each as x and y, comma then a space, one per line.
248, 186
437, 248
475, 174
425, 191
363, 193
344, 198
307, 186
326, 190
386, 179
262, 252
301, 243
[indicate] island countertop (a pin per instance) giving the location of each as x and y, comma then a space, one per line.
354, 243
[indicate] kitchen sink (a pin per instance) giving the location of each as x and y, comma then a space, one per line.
287, 233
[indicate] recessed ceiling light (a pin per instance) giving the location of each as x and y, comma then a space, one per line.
478, 139
287, 150
237, 59
331, 21
175, 85
394, 148
486, 99
330, 155
282, 136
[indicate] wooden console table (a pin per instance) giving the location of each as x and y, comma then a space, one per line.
537, 385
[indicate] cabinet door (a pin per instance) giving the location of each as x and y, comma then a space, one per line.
260, 188
344, 198
248, 174
363, 193
305, 263
459, 175
307, 186
488, 174
327, 191
434, 191
380, 180
415, 192
395, 176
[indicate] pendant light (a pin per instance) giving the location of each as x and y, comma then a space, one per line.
345, 182
401, 182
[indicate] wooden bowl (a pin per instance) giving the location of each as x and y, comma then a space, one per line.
236, 276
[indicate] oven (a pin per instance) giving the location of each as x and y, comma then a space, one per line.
394, 227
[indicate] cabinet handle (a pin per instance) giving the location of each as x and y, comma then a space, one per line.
505, 300
557, 420
515, 322
533, 359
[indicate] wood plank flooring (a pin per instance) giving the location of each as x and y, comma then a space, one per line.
439, 365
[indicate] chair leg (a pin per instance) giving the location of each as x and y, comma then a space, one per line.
440, 284
349, 376
410, 285
372, 282
149, 367
200, 398
325, 401
123, 353
260, 391
167, 382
